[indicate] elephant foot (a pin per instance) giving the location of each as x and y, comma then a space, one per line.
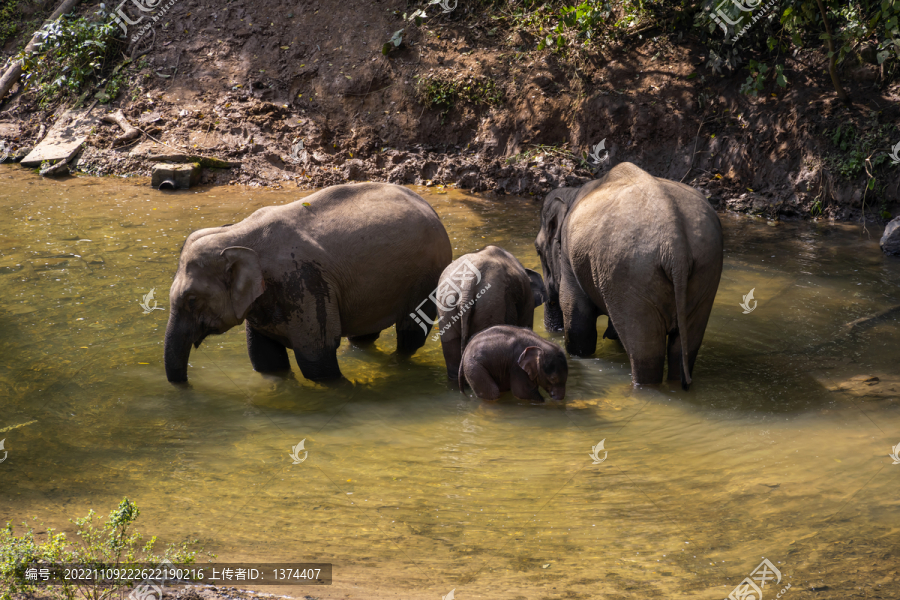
322, 370
648, 370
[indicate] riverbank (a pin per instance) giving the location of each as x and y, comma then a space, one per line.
307, 99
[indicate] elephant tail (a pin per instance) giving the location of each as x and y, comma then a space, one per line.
680, 284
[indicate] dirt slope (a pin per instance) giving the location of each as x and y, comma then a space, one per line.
246, 81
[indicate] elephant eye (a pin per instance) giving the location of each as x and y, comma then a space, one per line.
191, 301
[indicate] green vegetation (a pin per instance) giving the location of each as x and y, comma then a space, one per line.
396, 40
756, 81
8, 26
432, 90
75, 54
105, 544
860, 152
844, 30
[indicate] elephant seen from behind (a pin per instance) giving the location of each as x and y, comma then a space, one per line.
646, 252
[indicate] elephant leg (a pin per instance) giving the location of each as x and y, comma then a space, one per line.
481, 381
412, 329
580, 316
364, 340
452, 356
610, 333
676, 368
316, 341
643, 334
266, 355
524, 389
322, 367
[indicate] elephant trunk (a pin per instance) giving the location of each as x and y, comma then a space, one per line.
558, 392
553, 316
180, 334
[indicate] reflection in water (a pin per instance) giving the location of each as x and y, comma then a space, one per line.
780, 450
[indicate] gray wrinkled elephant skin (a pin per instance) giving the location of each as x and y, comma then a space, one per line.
482, 289
347, 261
646, 252
506, 358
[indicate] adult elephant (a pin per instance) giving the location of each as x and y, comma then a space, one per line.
347, 261
646, 252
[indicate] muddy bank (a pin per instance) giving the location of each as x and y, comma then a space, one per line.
250, 83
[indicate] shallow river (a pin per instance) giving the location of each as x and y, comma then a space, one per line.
412, 489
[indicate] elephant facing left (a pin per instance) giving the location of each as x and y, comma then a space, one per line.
348, 261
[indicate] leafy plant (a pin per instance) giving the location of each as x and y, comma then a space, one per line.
396, 40
106, 544
436, 91
8, 26
756, 80
579, 21
72, 54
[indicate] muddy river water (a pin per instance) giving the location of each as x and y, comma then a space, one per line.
412, 489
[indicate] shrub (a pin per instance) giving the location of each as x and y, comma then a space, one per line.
105, 544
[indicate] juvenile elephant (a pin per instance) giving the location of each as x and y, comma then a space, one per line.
646, 252
505, 358
347, 261
482, 289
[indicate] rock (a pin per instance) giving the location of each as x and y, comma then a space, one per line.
175, 176
60, 168
354, 170
890, 241
63, 140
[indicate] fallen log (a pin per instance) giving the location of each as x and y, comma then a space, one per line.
130, 131
15, 71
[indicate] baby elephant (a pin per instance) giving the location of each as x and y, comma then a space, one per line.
505, 358
479, 290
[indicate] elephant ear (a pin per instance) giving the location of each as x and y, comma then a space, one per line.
529, 360
537, 287
246, 278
